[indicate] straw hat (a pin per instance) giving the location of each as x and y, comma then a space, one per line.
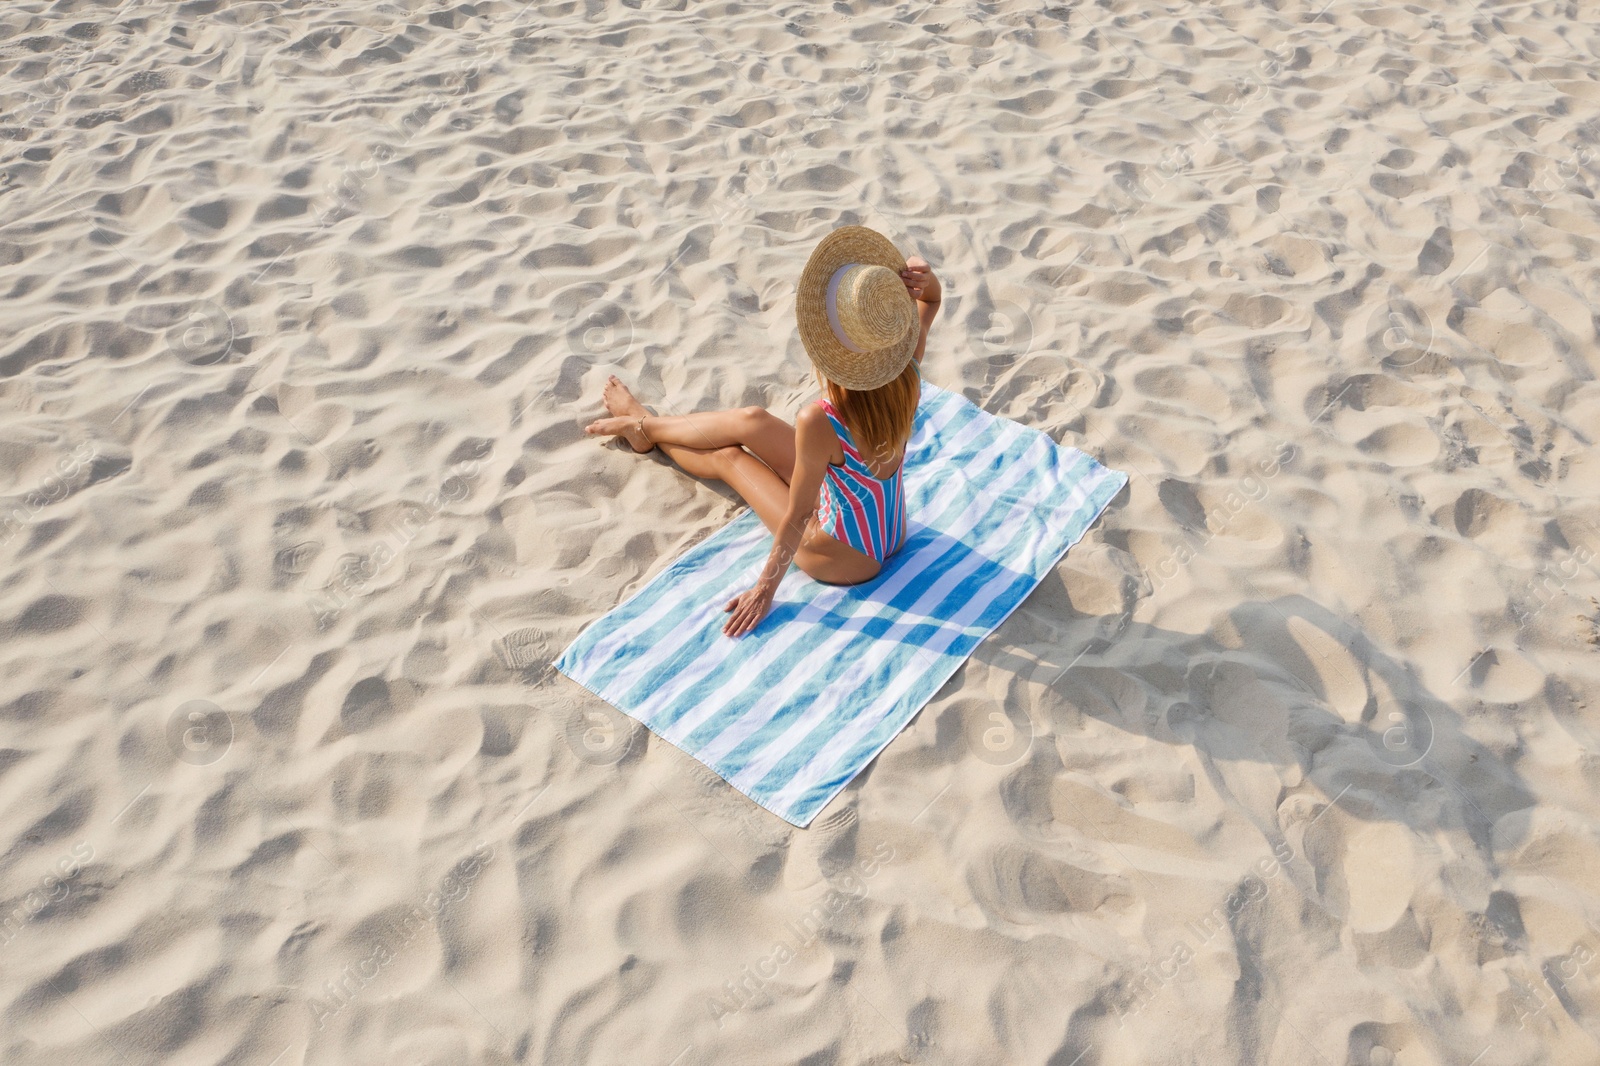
857, 321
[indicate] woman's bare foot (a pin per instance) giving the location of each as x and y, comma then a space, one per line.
625, 411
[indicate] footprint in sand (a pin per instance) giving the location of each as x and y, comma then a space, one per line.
1378, 1044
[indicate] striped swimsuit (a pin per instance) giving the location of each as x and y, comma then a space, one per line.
857, 508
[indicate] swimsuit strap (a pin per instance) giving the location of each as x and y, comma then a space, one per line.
853, 458
845, 439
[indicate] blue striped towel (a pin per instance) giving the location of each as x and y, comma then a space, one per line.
791, 712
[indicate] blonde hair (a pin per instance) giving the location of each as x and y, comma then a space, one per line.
880, 419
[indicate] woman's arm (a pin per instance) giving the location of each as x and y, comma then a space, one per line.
813, 444
924, 288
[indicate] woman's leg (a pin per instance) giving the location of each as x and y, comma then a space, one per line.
766, 435
763, 490
762, 482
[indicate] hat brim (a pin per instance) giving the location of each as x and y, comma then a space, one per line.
858, 371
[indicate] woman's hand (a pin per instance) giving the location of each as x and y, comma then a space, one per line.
920, 281
748, 609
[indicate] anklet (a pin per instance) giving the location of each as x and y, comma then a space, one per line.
642, 433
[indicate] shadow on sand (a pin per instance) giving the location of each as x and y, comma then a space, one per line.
1279, 715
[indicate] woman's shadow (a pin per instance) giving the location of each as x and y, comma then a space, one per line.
1282, 743
1281, 713
1290, 684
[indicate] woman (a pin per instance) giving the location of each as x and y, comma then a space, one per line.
828, 487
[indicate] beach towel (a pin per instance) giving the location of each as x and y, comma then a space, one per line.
789, 713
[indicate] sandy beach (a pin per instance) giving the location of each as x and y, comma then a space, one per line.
1292, 760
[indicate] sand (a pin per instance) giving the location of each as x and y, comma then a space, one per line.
306, 303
